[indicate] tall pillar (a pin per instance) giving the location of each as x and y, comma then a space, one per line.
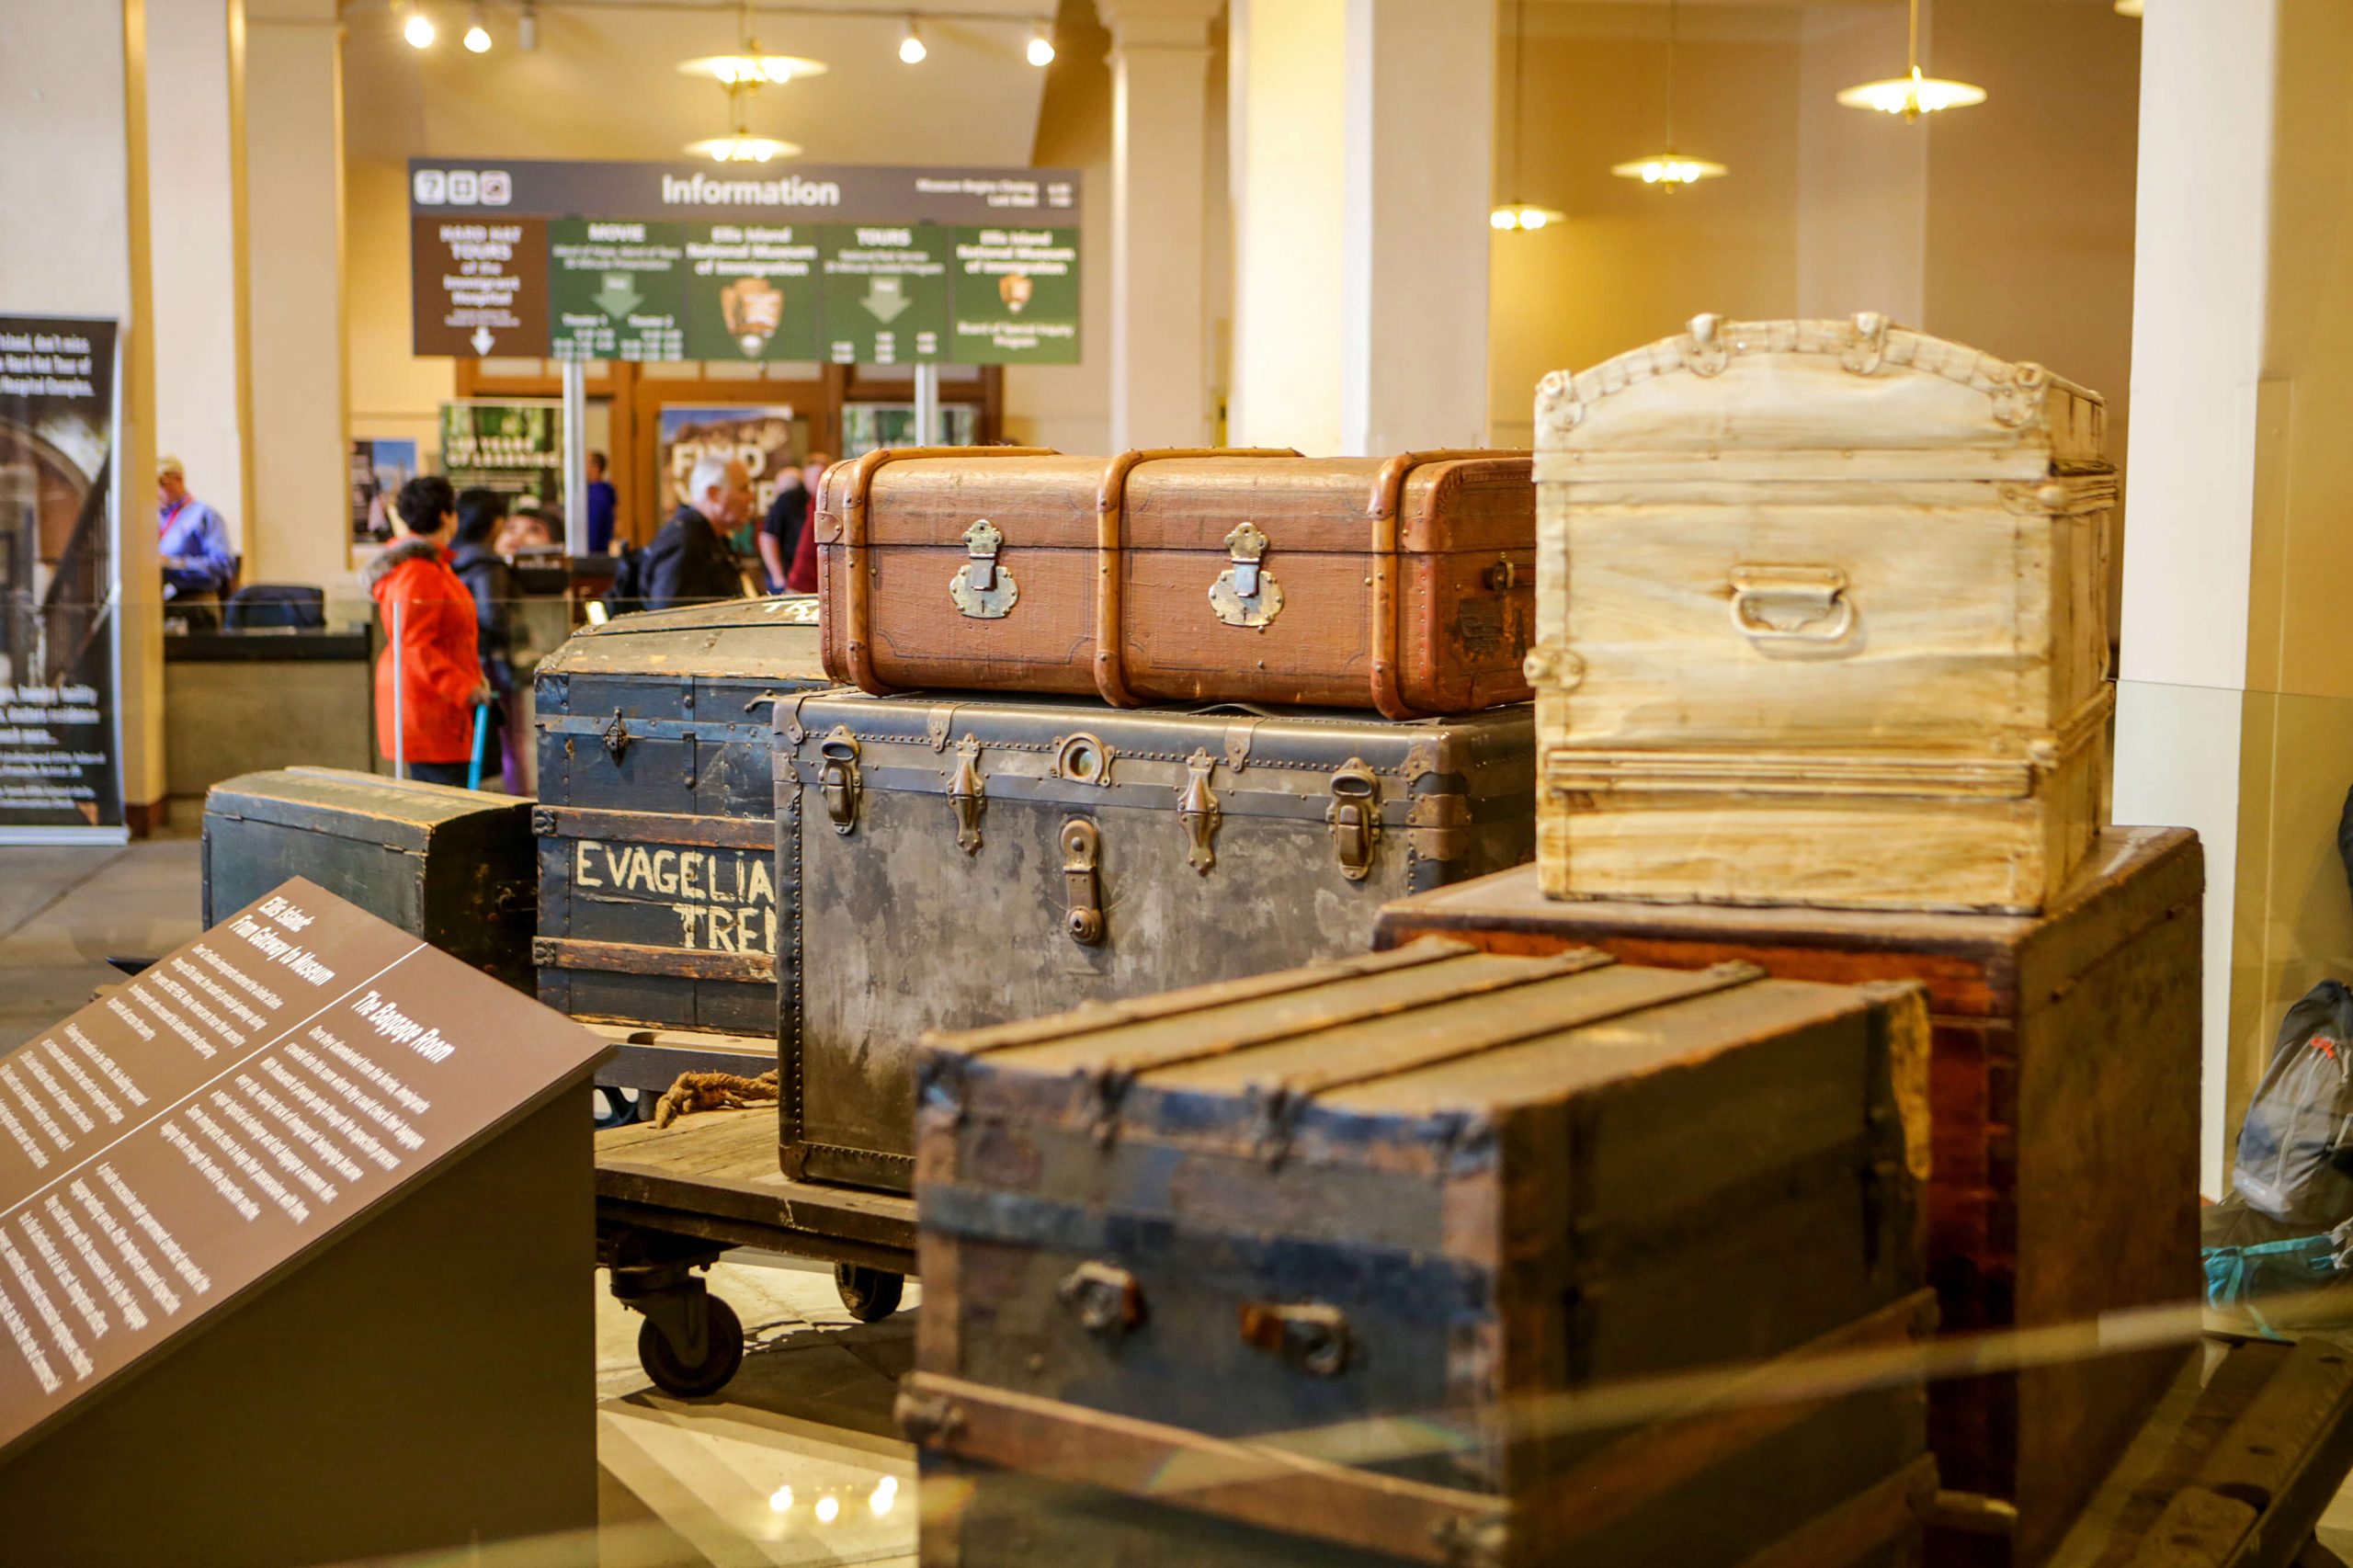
1362, 155
1159, 56
197, 189
2236, 707
294, 303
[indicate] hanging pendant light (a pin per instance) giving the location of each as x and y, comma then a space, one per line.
1914, 95
1669, 170
739, 145
1516, 214
749, 64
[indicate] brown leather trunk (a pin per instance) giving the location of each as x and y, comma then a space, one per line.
1403, 585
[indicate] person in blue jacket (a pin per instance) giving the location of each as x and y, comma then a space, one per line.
191, 537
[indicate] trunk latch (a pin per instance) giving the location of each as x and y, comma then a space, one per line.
1246, 593
983, 589
1081, 851
966, 796
1354, 816
837, 776
1309, 1336
1106, 1299
1197, 809
616, 736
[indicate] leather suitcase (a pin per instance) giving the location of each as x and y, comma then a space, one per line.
947, 863
452, 867
1402, 584
1822, 620
1358, 1254
2063, 1111
656, 819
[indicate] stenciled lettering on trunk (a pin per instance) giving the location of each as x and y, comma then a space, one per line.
724, 898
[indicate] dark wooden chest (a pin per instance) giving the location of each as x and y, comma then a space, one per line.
2065, 1079
453, 867
948, 864
657, 814
1401, 1256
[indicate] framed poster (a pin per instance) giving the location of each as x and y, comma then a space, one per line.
869, 426
60, 760
514, 446
768, 441
379, 469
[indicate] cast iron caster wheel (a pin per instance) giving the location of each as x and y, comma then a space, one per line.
722, 1354
871, 1294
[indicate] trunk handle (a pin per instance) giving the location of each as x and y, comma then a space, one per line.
1388, 494
1110, 528
856, 607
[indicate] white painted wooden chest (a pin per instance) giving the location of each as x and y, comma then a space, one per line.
1820, 620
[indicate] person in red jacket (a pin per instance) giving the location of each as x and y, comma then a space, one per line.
429, 620
803, 577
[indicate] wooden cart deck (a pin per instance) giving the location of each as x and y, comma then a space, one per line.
713, 1177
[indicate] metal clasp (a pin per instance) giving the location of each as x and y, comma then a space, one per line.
1197, 809
983, 590
1354, 816
1246, 593
965, 795
1309, 1336
1503, 576
837, 776
1081, 844
616, 736
1106, 1299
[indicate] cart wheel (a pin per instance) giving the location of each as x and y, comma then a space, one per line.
620, 1107
871, 1294
722, 1354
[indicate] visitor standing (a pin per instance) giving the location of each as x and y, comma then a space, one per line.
689, 561
795, 503
498, 592
429, 673
802, 578
191, 537
604, 504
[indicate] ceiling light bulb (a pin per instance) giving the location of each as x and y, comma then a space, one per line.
477, 34
780, 1500
1503, 218
828, 1510
418, 29
911, 49
1042, 46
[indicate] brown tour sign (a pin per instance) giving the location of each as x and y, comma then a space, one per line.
480, 285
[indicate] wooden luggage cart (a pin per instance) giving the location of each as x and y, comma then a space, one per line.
671, 1200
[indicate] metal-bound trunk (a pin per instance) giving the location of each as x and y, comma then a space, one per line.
948, 864
1344, 1251
1822, 619
657, 816
1403, 585
453, 867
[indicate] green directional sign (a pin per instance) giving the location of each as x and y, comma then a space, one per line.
1016, 296
752, 291
617, 290
886, 293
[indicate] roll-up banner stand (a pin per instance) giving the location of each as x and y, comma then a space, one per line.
61, 579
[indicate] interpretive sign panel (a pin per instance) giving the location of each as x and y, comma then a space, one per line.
171, 1146
514, 446
859, 264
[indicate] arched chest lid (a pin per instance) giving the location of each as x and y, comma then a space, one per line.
1862, 398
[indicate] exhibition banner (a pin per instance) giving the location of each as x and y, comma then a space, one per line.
765, 440
60, 771
248, 1098
379, 469
514, 446
857, 265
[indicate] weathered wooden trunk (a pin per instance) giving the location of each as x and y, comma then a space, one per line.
657, 816
453, 867
1820, 620
948, 864
1403, 585
2065, 1076
1402, 1253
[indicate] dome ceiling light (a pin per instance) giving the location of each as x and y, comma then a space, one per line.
1915, 95
1517, 215
749, 65
1669, 170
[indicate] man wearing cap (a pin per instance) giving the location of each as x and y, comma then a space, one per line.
194, 541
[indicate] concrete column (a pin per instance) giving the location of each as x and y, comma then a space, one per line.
75, 244
1362, 155
195, 49
1160, 53
294, 305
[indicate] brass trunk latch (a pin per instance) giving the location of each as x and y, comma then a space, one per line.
616, 736
1246, 593
837, 776
1309, 1336
1081, 844
1354, 816
983, 589
1106, 1299
965, 794
1197, 809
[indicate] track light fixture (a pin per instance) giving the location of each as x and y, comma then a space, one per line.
527, 27
419, 28
1042, 46
911, 49
477, 38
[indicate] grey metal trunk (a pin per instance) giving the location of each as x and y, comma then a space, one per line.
452, 867
657, 901
951, 864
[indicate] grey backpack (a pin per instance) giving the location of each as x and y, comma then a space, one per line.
2295, 1153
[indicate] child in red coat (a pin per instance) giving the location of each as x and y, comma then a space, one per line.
429, 619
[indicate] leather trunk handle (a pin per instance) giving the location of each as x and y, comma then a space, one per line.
857, 651
1387, 496
1110, 525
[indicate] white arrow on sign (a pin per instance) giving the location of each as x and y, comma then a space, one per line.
482, 340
